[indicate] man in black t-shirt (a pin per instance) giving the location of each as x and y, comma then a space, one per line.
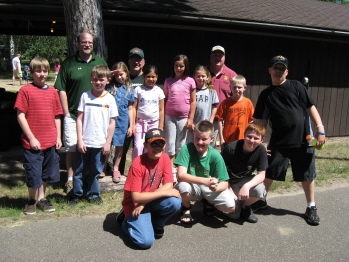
283, 104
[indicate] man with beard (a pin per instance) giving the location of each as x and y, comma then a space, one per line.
73, 80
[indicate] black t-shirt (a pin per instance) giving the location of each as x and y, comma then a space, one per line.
285, 107
240, 164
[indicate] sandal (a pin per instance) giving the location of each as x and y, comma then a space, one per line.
208, 208
186, 218
116, 176
101, 175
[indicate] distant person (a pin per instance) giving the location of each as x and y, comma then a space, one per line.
57, 67
120, 87
95, 126
206, 99
283, 104
180, 93
234, 113
221, 76
74, 78
243, 157
17, 71
26, 73
136, 63
41, 136
203, 175
149, 108
149, 197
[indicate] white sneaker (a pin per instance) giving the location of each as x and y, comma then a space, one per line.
174, 173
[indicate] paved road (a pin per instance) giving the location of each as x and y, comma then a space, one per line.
280, 235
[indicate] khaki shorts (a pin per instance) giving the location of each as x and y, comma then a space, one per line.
16, 73
69, 133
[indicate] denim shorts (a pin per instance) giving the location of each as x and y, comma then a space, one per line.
41, 166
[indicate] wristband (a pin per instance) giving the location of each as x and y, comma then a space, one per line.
319, 126
321, 133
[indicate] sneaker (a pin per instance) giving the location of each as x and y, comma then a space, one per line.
159, 233
248, 215
174, 173
259, 205
45, 205
96, 200
68, 186
30, 207
120, 217
312, 217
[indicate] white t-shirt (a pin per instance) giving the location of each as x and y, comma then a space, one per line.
97, 113
148, 102
16, 60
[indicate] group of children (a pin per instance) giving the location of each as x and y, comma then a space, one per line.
159, 119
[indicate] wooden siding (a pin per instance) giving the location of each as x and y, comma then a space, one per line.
324, 63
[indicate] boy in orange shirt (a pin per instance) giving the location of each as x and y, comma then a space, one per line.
234, 113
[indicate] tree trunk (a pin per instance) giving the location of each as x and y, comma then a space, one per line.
83, 15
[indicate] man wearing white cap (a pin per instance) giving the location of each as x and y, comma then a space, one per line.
221, 76
220, 73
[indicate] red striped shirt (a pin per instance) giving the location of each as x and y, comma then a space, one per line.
40, 106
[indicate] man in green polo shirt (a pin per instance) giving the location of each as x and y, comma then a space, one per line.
73, 80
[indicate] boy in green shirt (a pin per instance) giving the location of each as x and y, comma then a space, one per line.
203, 175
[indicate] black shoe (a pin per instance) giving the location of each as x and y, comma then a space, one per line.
72, 201
120, 217
159, 233
312, 217
96, 200
248, 215
259, 205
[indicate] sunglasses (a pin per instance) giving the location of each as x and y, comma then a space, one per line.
157, 144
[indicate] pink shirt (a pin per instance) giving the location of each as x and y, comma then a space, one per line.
178, 96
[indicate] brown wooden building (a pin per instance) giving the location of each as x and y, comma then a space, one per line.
313, 35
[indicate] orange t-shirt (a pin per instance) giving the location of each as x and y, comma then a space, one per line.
236, 116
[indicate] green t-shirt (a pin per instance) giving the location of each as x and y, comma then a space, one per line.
74, 78
210, 165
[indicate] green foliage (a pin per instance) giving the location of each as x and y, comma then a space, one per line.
29, 46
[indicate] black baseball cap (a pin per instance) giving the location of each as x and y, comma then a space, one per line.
154, 134
279, 60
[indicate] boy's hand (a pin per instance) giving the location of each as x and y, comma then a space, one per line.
173, 193
58, 143
244, 193
34, 144
137, 211
106, 149
81, 147
212, 183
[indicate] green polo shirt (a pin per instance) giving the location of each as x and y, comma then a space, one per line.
74, 78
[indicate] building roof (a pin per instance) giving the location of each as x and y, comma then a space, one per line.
306, 16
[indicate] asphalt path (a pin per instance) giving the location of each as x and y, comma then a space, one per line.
281, 234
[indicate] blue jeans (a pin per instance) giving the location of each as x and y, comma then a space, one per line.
88, 166
153, 216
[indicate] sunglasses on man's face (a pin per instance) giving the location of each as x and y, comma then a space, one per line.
158, 143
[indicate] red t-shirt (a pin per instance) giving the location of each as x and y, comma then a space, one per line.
40, 106
146, 175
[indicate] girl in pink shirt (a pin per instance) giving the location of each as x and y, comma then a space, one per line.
180, 93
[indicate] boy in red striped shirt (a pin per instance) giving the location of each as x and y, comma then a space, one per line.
38, 113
